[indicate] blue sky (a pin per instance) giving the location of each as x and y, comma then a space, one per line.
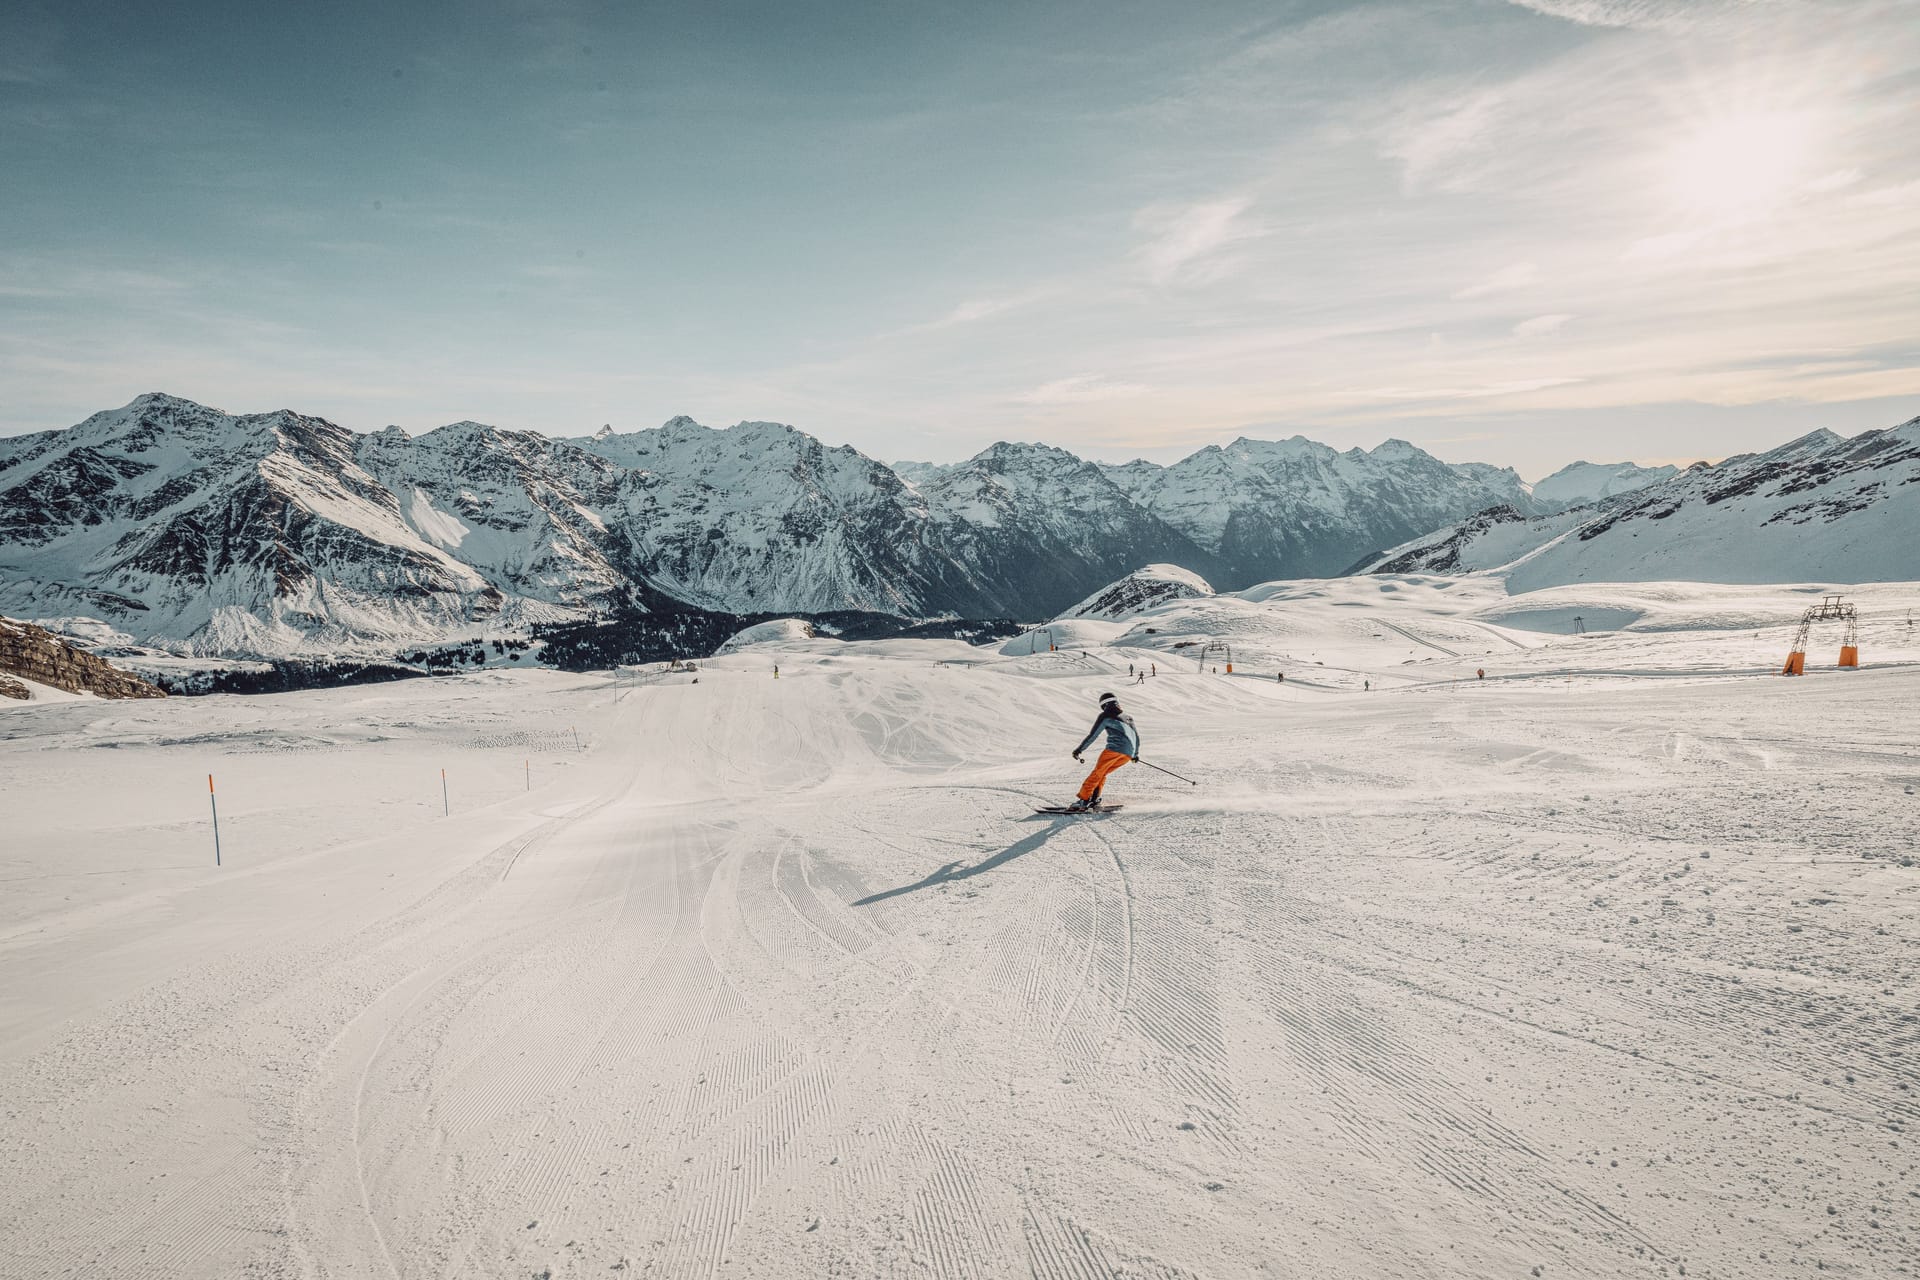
1512, 232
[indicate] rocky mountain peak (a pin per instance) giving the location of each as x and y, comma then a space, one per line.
1394, 449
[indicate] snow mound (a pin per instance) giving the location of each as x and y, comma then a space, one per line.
1140, 590
779, 631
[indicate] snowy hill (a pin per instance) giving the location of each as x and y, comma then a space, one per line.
778, 631
1817, 509
1154, 585
1294, 508
1583, 482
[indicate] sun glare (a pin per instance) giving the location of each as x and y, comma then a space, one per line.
1738, 168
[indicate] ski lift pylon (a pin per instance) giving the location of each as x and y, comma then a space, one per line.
1831, 608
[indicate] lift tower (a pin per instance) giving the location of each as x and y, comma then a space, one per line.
1830, 609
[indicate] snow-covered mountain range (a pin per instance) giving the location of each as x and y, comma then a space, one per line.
1582, 482
213, 533
1270, 509
210, 532
1818, 509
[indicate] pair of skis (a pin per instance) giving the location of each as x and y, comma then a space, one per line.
1108, 808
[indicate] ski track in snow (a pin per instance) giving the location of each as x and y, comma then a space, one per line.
780, 978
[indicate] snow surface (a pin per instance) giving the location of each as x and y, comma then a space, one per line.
1604, 965
36, 692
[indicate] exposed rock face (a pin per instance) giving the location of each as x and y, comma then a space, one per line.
39, 655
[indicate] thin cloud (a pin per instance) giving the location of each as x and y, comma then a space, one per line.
1632, 13
1835, 181
1084, 389
1540, 326
1518, 386
1436, 146
973, 310
1185, 240
1517, 276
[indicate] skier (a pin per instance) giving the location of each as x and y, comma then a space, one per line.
1123, 745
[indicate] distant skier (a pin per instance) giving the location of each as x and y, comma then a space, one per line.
1123, 745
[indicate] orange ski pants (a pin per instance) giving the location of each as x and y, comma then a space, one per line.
1106, 764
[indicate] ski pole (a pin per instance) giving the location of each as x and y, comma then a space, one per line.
1170, 773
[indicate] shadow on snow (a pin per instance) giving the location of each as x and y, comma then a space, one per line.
961, 871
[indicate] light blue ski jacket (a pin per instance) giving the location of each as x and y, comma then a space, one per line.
1122, 735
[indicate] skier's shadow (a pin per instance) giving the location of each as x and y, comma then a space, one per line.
961, 871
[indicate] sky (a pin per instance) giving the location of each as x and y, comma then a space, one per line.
1514, 231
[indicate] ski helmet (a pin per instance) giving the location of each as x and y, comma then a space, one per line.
1108, 697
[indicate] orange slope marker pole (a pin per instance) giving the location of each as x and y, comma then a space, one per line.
215, 805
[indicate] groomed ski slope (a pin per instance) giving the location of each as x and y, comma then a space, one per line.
1603, 974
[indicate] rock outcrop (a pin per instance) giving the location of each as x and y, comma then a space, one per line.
36, 654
